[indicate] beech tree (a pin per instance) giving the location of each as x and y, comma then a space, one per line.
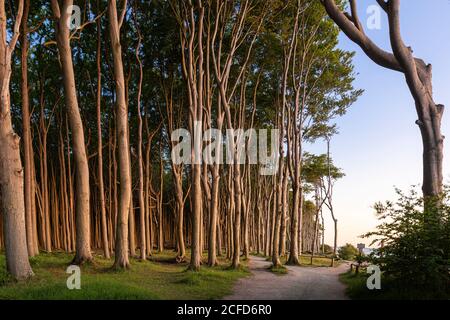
115, 24
320, 173
29, 168
11, 171
113, 103
418, 76
316, 87
62, 16
191, 20
101, 188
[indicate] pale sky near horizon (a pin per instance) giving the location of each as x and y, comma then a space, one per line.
379, 146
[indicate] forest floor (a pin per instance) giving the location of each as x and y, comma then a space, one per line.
161, 278
158, 278
299, 283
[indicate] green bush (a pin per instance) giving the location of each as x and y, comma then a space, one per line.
327, 249
348, 252
415, 237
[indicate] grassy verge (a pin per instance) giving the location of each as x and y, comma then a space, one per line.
305, 261
282, 270
356, 286
318, 261
159, 278
357, 290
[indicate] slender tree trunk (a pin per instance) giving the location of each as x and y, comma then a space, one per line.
132, 228
293, 250
316, 224
284, 208
214, 205
141, 192
193, 70
148, 202
212, 248
276, 231
29, 190
83, 249
160, 206
101, 188
300, 224
121, 252
179, 198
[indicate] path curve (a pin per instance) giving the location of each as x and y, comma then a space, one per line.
300, 283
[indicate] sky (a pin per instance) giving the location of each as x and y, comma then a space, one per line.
379, 145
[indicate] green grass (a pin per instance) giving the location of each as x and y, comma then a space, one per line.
282, 270
356, 286
159, 278
357, 290
318, 261
305, 261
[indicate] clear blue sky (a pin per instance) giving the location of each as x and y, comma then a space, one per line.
379, 145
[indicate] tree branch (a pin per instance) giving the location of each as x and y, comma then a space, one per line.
378, 55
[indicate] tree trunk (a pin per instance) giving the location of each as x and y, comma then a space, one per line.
293, 248
284, 208
179, 198
212, 248
30, 209
418, 77
121, 252
83, 249
141, 191
11, 171
101, 188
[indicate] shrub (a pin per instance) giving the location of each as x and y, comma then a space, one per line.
348, 252
327, 249
415, 238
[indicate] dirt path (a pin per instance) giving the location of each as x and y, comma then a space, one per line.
301, 283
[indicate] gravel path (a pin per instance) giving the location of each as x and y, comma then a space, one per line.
300, 283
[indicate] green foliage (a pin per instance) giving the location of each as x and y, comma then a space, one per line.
316, 167
415, 255
360, 258
327, 249
348, 252
357, 289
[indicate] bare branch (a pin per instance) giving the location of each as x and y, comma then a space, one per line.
16, 30
123, 13
378, 55
355, 17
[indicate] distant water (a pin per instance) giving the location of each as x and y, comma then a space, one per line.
368, 251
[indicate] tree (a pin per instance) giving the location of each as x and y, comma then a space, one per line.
348, 252
311, 87
62, 18
332, 175
142, 208
121, 259
418, 76
191, 18
101, 188
320, 172
233, 18
11, 171
101, 113
29, 169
